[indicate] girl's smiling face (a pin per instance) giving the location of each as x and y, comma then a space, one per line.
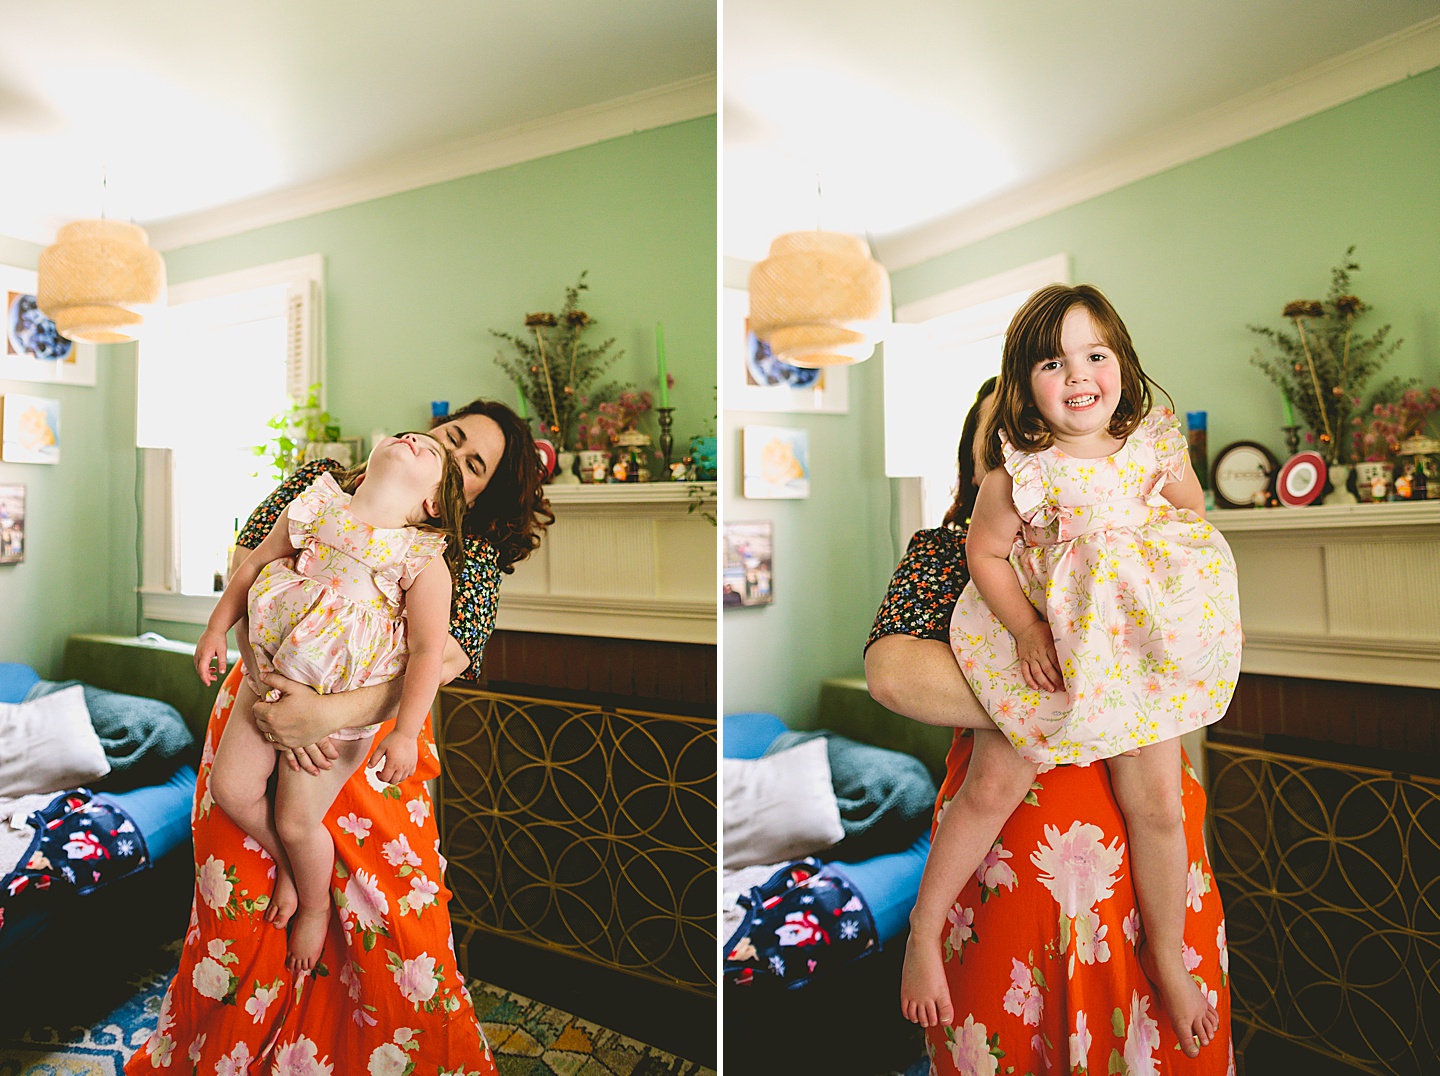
1077, 391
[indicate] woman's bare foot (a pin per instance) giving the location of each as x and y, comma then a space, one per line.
1191, 1015
924, 993
283, 901
307, 937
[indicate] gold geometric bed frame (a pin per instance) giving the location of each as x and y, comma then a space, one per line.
1330, 876
583, 829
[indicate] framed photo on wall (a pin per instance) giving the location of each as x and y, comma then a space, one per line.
747, 576
754, 380
12, 524
29, 429
776, 462
33, 350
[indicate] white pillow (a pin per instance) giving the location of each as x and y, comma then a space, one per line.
780, 808
48, 744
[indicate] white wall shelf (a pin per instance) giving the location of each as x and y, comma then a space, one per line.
1340, 592
622, 560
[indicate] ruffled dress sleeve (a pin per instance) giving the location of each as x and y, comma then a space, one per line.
1027, 485
423, 547
304, 508
1161, 430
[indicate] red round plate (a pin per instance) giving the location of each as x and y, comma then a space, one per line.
1301, 480
548, 457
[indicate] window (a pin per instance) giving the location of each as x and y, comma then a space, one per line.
225, 355
938, 354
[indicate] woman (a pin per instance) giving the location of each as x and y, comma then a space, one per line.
1040, 944
386, 991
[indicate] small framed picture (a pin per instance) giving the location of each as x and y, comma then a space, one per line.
1242, 470
776, 462
747, 576
12, 524
29, 429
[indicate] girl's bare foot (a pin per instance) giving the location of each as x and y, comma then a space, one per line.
924, 993
307, 937
1191, 1015
283, 901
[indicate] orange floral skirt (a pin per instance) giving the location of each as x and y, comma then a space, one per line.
1040, 944
386, 994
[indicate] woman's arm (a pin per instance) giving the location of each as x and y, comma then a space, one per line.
993, 528
919, 679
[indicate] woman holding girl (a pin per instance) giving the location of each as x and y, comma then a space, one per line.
988, 976
385, 990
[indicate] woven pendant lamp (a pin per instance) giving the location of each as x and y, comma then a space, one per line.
818, 298
97, 278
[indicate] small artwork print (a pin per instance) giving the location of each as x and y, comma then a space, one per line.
766, 371
33, 349
746, 578
29, 429
12, 524
755, 380
777, 462
29, 332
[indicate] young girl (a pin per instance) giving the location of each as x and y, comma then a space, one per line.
366, 600
1099, 623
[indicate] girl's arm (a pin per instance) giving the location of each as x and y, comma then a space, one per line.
427, 614
230, 609
1185, 492
987, 551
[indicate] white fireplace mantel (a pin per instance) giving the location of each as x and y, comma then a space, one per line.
1339, 592
627, 561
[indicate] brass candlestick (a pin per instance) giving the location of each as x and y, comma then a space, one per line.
667, 417
1292, 439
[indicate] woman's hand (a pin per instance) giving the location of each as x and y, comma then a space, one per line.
401, 755
292, 724
1039, 663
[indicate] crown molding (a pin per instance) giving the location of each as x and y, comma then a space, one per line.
676, 102
1372, 67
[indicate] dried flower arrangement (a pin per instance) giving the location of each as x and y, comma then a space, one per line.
1323, 368
1394, 422
601, 432
557, 371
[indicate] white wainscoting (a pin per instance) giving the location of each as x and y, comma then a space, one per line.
1340, 592
622, 561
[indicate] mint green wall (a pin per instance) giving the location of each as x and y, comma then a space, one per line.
79, 568
831, 567
414, 281
1192, 256
1189, 257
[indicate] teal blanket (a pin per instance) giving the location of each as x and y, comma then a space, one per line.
144, 739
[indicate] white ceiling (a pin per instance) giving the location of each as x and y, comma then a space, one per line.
918, 115
181, 107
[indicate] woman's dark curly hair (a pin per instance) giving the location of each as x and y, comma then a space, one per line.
511, 511
963, 507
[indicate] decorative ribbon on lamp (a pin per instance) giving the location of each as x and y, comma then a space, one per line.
819, 299
97, 278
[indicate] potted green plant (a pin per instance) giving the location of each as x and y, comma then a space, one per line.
300, 424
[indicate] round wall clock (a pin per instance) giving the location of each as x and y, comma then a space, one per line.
1301, 480
1242, 470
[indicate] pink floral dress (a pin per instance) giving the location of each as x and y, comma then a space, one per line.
333, 617
1140, 596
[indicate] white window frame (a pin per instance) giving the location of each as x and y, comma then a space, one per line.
991, 304
159, 590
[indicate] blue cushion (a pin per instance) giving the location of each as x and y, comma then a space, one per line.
160, 812
15, 681
747, 735
889, 884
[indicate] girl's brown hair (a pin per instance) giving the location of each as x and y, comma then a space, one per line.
511, 511
1033, 337
963, 507
449, 499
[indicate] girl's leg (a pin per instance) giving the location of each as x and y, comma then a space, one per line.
238, 777
301, 802
1147, 787
995, 784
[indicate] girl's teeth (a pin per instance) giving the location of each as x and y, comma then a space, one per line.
1080, 401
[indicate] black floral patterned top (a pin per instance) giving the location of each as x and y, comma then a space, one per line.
474, 594
925, 587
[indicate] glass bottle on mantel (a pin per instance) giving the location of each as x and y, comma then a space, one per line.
1197, 437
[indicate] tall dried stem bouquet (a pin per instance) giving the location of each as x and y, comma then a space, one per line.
557, 370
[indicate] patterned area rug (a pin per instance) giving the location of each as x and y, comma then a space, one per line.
528, 1038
